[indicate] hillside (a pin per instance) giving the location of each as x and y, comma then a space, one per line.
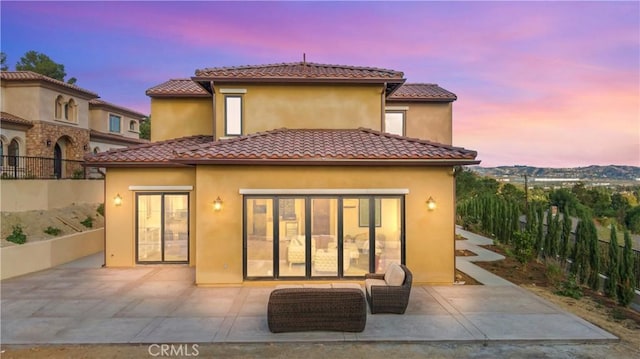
587, 174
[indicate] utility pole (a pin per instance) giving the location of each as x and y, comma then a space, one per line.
526, 196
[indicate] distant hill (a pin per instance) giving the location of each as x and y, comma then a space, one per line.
590, 173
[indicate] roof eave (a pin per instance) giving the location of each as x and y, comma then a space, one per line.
330, 162
418, 99
204, 95
150, 164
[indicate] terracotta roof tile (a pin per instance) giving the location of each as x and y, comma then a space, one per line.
322, 145
422, 92
299, 70
177, 88
10, 118
33, 76
155, 153
101, 103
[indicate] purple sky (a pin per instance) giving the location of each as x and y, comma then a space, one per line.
553, 84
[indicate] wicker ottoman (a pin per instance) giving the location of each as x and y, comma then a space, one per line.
308, 309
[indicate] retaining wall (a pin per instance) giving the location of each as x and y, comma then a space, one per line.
32, 195
31, 257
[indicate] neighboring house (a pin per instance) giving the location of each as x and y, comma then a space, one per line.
46, 122
294, 171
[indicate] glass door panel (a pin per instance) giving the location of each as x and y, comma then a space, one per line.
324, 237
149, 224
356, 235
388, 235
259, 237
176, 227
292, 241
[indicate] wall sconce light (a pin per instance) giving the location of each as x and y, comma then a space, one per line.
117, 200
431, 203
86, 147
217, 204
48, 143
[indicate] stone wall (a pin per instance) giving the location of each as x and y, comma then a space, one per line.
72, 140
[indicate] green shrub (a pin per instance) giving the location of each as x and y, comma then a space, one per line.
100, 209
88, 222
554, 272
570, 288
523, 248
78, 174
17, 236
52, 231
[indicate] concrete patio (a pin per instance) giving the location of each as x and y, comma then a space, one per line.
82, 303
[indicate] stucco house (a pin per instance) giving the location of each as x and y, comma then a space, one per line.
43, 118
293, 171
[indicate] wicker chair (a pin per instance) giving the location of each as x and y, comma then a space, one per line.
389, 298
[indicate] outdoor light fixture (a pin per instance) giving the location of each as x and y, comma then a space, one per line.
217, 204
48, 143
86, 147
431, 203
117, 200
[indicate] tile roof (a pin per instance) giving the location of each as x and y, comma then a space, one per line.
33, 76
299, 70
10, 118
99, 103
422, 92
152, 154
178, 88
322, 145
287, 146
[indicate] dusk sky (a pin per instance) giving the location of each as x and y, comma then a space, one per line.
554, 84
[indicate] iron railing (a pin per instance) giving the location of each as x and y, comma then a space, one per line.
27, 167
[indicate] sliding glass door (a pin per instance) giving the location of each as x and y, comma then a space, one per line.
314, 237
162, 233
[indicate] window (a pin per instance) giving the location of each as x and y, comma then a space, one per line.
59, 105
132, 125
233, 115
114, 123
13, 152
321, 236
394, 123
70, 110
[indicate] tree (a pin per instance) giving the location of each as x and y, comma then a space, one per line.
580, 254
594, 255
145, 128
3, 62
565, 237
632, 219
626, 290
613, 271
42, 64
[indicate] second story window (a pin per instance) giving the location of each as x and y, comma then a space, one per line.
114, 123
233, 115
59, 106
394, 123
132, 126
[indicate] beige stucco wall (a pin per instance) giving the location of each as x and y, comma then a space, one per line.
34, 256
120, 220
99, 121
21, 100
179, 117
427, 120
267, 107
30, 195
216, 237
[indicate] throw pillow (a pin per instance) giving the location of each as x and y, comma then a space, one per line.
394, 275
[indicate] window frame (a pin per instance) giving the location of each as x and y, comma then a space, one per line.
227, 119
112, 116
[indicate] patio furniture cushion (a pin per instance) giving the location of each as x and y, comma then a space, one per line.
394, 275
